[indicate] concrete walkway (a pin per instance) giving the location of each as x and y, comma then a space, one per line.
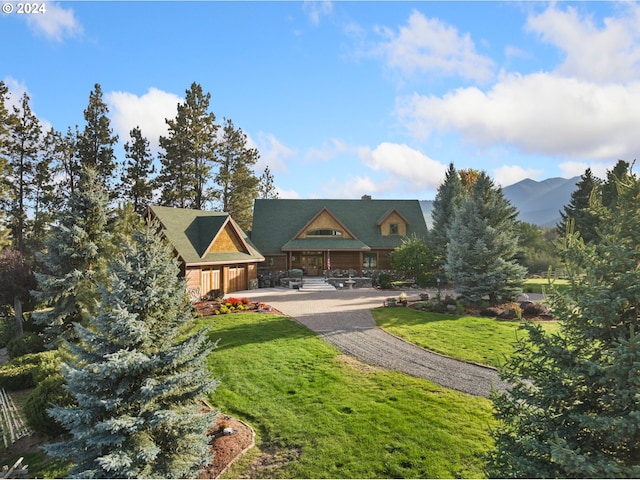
343, 318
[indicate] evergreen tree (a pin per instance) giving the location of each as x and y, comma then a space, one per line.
483, 244
24, 146
95, 144
573, 410
448, 197
136, 182
135, 377
577, 211
619, 173
5, 239
238, 184
46, 201
266, 185
189, 151
61, 153
16, 282
75, 250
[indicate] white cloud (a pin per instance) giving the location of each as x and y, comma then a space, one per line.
316, 9
404, 164
328, 151
148, 111
273, 153
356, 187
16, 90
510, 174
610, 53
56, 23
538, 113
430, 45
574, 169
282, 193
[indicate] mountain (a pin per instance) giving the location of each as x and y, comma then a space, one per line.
537, 202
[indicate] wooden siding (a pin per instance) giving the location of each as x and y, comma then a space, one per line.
393, 218
325, 221
227, 241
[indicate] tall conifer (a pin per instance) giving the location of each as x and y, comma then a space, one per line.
236, 179
135, 377
188, 153
483, 244
448, 197
136, 181
74, 256
96, 143
577, 213
574, 408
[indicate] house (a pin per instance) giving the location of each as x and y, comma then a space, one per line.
320, 235
215, 254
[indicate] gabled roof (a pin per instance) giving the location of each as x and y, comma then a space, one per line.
193, 232
277, 222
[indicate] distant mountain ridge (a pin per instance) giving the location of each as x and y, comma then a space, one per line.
538, 203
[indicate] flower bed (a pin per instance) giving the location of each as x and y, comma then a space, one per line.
229, 305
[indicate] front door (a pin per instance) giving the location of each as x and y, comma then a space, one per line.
312, 264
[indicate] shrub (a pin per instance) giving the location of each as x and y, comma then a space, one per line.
49, 391
489, 312
27, 343
385, 281
19, 372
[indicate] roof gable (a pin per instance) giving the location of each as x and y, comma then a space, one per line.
204, 237
324, 220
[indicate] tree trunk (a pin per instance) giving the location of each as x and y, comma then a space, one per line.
17, 307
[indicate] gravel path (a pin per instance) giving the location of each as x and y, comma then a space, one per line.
343, 318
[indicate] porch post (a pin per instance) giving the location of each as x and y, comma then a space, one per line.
361, 261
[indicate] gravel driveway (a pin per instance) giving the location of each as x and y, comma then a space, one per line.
343, 318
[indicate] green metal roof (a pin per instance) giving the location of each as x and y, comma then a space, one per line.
277, 221
192, 231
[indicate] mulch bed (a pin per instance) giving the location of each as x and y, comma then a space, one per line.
227, 448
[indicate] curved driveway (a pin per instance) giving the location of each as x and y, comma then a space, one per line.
343, 318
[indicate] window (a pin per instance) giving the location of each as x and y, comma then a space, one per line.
370, 260
393, 229
324, 232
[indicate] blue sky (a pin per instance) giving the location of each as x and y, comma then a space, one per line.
350, 98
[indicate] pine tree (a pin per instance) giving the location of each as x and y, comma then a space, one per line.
266, 186
5, 239
619, 173
574, 408
577, 211
483, 244
24, 146
95, 144
189, 151
135, 377
62, 154
136, 181
238, 184
74, 253
448, 197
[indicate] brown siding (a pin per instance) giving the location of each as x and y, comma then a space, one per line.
398, 220
227, 241
345, 260
384, 259
325, 221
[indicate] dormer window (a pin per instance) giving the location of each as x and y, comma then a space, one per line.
394, 229
324, 232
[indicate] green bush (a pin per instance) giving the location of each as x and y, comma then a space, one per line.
27, 343
25, 371
385, 281
50, 391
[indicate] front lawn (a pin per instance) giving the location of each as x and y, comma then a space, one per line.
320, 414
541, 285
475, 339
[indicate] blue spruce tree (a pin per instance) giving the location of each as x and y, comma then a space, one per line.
136, 377
574, 408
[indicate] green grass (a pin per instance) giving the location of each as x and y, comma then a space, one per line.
329, 416
541, 285
483, 340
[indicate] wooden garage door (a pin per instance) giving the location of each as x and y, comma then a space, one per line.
237, 279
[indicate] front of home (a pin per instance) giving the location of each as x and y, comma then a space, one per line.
330, 237
216, 256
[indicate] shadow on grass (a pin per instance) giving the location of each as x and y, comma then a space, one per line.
253, 329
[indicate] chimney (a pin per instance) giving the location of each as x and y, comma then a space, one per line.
365, 197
